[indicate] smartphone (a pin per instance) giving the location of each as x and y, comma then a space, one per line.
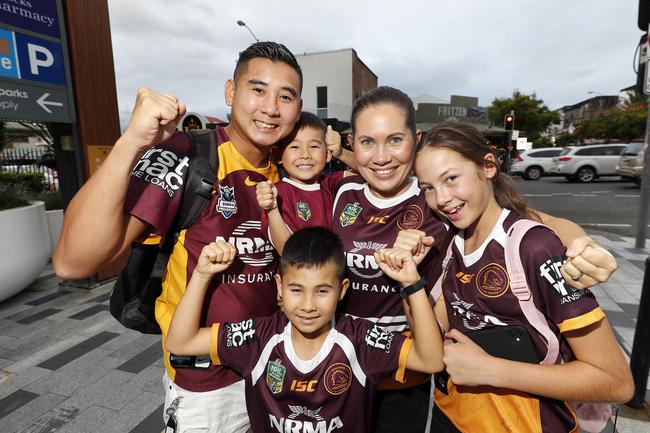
511, 342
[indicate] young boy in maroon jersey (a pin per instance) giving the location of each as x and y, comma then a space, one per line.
303, 198
306, 370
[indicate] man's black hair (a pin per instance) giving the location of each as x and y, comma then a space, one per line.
306, 120
313, 247
267, 50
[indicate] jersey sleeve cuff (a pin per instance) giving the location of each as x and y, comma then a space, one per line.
214, 340
400, 374
595, 315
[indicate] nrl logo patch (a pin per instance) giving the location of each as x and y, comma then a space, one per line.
304, 213
275, 375
227, 205
350, 214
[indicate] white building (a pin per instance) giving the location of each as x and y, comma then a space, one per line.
332, 81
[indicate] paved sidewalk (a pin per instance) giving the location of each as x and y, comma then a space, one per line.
67, 366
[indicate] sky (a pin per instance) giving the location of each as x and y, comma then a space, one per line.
559, 49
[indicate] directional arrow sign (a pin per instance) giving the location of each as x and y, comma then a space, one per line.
44, 103
34, 103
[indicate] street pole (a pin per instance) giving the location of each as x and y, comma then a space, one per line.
642, 221
640, 357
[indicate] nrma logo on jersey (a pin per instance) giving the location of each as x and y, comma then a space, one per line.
162, 168
364, 265
291, 425
252, 248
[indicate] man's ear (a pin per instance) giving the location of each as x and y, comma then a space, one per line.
344, 288
351, 141
229, 92
490, 168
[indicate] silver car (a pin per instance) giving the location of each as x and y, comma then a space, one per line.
586, 163
532, 164
630, 165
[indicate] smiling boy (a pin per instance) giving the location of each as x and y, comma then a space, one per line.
305, 369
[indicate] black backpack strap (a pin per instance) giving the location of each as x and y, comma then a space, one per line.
201, 176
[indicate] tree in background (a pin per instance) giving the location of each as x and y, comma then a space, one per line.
531, 115
625, 124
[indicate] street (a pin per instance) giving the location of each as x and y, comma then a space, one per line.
606, 204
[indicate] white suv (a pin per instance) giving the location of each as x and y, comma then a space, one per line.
585, 163
532, 164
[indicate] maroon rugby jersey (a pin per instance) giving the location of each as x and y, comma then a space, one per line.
477, 295
247, 287
303, 205
332, 392
367, 224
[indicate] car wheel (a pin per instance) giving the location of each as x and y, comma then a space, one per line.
586, 174
533, 173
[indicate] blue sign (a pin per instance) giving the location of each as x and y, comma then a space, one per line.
8, 61
40, 60
39, 16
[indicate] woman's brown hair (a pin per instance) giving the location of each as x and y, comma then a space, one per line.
466, 140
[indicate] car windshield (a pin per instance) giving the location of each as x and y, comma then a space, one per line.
632, 149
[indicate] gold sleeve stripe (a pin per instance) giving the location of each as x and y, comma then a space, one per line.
214, 341
580, 322
403, 355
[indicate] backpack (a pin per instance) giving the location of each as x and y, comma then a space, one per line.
592, 417
140, 282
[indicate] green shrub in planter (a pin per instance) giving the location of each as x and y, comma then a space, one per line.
29, 183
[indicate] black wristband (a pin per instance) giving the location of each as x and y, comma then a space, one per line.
407, 291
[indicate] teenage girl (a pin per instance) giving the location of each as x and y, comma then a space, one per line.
461, 181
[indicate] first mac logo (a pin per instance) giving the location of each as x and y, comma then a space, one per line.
162, 168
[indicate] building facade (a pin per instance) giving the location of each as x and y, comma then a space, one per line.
332, 81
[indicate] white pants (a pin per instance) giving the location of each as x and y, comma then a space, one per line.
219, 411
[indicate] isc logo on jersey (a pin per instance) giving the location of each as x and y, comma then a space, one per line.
550, 271
377, 338
291, 425
162, 168
241, 333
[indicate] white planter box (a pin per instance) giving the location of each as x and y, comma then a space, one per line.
26, 247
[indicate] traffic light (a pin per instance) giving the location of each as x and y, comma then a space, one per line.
509, 122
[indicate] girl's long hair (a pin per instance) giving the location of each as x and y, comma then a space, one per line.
467, 141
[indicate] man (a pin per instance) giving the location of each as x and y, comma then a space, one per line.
136, 193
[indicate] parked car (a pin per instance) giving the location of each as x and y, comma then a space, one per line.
532, 164
586, 163
630, 164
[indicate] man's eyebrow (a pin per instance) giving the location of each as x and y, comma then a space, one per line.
257, 81
291, 90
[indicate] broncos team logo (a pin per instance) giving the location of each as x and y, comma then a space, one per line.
227, 205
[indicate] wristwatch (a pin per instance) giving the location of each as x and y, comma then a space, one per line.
407, 291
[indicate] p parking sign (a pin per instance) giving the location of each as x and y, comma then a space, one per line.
34, 78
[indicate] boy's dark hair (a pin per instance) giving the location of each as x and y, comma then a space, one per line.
385, 95
266, 50
306, 120
313, 247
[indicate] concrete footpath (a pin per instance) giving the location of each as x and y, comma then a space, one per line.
67, 366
